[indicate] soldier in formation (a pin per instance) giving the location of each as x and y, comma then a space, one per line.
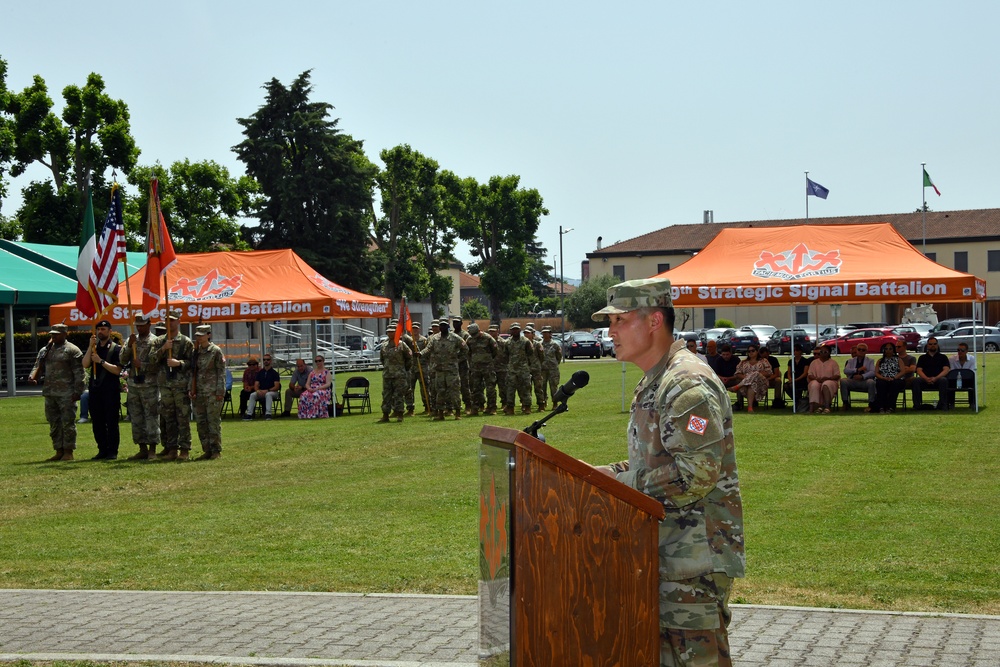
499, 371
483, 351
396, 361
551, 358
519, 352
172, 354
143, 392
444, 352
59, 366
535, 364
103, 358
207, 391
417, 382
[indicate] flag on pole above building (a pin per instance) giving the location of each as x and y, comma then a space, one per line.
160, 251
815, 189
928, 183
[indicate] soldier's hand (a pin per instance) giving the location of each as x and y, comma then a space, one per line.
132, 339
173, 363
93, 341
168, 344
193, 394
32, 381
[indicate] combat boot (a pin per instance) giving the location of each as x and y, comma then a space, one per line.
458, 415
182, 456
398, 416
143, 453
152, 453
67, 455
57, 456
541, 407
409, 413
490, 412
525, 409
204, 457
215, 456
473, 412
385, 418
169, 455
509, 412
439, 416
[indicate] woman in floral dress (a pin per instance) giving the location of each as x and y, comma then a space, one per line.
888, 379
314, 402
754, 373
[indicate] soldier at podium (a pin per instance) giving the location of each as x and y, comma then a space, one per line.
681, 452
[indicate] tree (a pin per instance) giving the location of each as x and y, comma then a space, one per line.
589, 297
315, 183
498, 221
92, 136
539, 274
6, 131
473, 309
10, 228
200, 202
412, 220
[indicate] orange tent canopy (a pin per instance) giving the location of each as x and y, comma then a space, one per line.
810, 264
240, 287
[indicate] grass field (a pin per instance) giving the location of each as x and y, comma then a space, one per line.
843, 510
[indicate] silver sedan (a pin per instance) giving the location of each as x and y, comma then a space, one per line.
948, 342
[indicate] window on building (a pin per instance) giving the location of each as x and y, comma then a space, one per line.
660, 268
993, 260
931, 256
619, 271
802, 314
961, 260
709, 318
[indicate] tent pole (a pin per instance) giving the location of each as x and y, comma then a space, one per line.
9, 344
791, 350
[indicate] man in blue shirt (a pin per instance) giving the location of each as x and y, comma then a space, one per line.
267, 388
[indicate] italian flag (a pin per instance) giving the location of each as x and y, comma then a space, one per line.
928, 183
85, 301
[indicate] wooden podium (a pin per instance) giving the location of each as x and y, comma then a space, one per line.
568, 560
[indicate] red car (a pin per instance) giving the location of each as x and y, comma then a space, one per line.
911, 335
873, 338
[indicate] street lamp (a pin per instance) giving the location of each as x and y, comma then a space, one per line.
562, 283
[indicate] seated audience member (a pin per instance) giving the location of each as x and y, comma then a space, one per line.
907, 363
711, 353
932, 375
267, 388
774, 380
249, 378
798, 367
314, 403
692, 346
888, 379
725, 368
959, 362
824, 378
753, 373
300, 376
859, 372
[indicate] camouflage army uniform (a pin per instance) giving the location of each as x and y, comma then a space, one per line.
413, 385
430, 368
551, 358
482, 379
62, 387
444, 352
535, 363
500, 371
143, 398
175, 404
396, 361
520, 351
463, 363
208, 389
681, 452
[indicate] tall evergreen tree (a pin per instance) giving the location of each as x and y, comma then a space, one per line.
315, 183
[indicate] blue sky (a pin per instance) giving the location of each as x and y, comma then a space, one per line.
627, 117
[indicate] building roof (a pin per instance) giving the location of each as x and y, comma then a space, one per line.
467, 280
942, 227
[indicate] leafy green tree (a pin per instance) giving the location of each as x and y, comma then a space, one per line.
10, 228
539, 273
498, 220
200, 202
473, 309
91, 137
6, 132
589, 297
315, 183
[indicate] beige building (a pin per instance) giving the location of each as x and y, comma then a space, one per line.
967, 241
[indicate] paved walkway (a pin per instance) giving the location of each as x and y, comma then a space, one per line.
430, 631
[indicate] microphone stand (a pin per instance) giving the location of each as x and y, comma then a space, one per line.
533, 429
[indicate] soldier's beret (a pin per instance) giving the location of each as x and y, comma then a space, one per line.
104, 323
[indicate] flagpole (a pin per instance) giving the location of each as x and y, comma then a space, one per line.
923, 207
807, 196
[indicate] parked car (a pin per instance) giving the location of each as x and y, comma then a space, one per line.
581, 344
911, 335
873, 338
949, 340
923, 328
763, 331
741, 340
944, 326
828, 331
781, 341
710, 334
607, 344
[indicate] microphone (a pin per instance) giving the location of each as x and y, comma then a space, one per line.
579, 380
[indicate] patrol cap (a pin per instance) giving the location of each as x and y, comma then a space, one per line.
58, 329
391, 327
494, 327
456, 319
473, 328
515, 326
546, 330
415, 325
174, 314
160, 329
104, 323
203, 330
635, 294
529, 329
141, 319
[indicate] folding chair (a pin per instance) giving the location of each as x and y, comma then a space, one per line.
356, 389
968, 387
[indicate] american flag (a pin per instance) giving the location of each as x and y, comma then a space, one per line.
110, 250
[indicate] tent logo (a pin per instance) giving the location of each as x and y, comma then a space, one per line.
333, 287
211, 286
799, 262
